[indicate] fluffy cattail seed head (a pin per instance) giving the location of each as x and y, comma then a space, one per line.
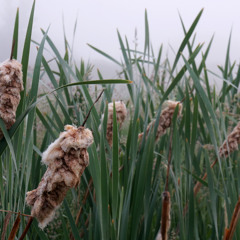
165, 120
66, 158
10, 87
121, 113
231, 143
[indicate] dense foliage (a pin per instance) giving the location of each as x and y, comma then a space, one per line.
120, 194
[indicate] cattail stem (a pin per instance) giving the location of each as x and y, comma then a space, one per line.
228, 234
185, 96
86, 225
86, 118
199, 184
30, 220
22, 214
15, 228
5, 224
84, 200
169, 160
90, 182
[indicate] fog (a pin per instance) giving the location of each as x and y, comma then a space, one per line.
98, 22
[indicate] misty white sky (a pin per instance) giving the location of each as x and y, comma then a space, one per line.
98, 21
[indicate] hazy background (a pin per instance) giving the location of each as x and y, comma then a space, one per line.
98, 21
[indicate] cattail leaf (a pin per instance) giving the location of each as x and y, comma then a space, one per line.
115, 166
5, 225
212, 193
15, 228
25, 60
9, 142
205, 105
188, 116
206, 80
147, 35
15, 36
188, 43
52, 123
71, 221
104, 198
104, 54
64, 227
26, 49
39, 232
52, 79
186, 39
180, 74
64, 111
125, 57
139, 185
157, 64
226, 81
70, 74
132, 141
204, 57
225, 70
56, 116
46, 124
3, 143
28, 148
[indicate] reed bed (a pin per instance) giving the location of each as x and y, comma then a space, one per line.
140, 180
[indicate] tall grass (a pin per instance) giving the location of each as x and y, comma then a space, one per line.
120, 193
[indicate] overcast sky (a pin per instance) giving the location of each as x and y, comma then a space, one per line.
98, 21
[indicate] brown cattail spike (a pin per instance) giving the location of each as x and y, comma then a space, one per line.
166, 217
165, 120
121, 113
10, 87
66, 158
231, 143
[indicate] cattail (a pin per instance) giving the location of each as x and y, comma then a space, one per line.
231, 143
228, 234
66, 159
166, 217
121, 113
164, 120
10, 87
